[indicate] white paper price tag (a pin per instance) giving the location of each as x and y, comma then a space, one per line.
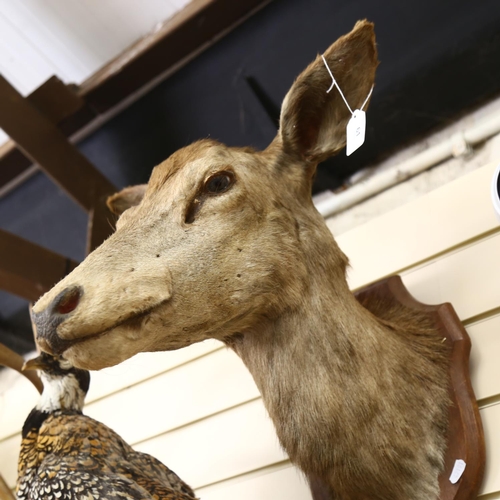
355, 132
356, 126
458, 470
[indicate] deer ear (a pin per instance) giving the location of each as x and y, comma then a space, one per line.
126, 198
313, 122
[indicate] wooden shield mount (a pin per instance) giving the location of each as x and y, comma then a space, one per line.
465, 431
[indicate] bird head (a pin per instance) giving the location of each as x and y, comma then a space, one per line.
64, 386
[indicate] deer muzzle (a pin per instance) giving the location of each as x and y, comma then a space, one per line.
47, 321
112, 292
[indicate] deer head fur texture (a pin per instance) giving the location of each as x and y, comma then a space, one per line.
225, 243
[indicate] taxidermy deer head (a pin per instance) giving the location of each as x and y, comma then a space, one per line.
225, 243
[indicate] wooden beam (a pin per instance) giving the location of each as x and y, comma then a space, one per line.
15, 361
200, 24
29, 270
47, 146
59, 103
56, 100
101, 224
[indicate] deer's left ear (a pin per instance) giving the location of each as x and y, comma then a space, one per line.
126, 198
313, 122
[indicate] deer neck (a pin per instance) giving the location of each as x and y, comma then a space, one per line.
306, 361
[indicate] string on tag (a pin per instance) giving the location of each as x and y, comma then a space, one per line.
335, 84
356, 127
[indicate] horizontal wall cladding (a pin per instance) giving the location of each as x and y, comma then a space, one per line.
273, 483
186, 394
466, 278
198, 409
484, 359
418, 231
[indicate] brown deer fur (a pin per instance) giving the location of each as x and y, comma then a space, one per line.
359, 401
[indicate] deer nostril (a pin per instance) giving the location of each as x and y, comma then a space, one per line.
68, 300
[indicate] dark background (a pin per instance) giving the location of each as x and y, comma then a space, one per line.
439, 59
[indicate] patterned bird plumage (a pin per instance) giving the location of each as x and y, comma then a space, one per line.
67, 455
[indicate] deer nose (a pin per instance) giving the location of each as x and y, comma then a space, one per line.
67, 301
47, 321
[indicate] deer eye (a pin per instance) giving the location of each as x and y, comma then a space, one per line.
219, 183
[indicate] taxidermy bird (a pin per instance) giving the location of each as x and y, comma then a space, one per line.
67, 455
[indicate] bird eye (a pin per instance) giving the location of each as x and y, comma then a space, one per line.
219, 183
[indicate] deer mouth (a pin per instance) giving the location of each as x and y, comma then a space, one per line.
52, 343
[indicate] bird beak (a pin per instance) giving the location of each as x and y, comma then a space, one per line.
34, 364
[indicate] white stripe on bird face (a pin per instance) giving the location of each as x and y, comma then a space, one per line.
60, 393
